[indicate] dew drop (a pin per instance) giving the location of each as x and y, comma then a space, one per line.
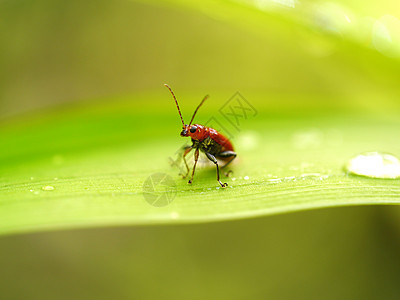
48, 188
246, 177
374, 165
275, 180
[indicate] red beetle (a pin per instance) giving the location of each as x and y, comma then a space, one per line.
208, 140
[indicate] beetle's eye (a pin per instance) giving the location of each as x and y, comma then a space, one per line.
193, 129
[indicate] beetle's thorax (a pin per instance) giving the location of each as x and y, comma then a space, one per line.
195, 131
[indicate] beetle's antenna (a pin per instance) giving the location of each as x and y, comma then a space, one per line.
176, 101
195, 112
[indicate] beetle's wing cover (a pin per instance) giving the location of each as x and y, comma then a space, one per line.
220, 139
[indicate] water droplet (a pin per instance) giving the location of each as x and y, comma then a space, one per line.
233, 179
36, 193
375, 165
274, 180
246, 177
48, 188
32, 178
31, 191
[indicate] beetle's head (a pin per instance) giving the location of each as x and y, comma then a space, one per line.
185, 130
190, 130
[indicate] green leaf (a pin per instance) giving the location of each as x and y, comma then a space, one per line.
86, 166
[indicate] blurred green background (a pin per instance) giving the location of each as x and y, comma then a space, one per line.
64, 64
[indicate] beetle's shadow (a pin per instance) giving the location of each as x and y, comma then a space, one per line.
208, 169
205, 169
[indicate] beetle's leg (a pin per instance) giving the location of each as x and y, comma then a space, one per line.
186, 152
230, 154
214, 160
196, 157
